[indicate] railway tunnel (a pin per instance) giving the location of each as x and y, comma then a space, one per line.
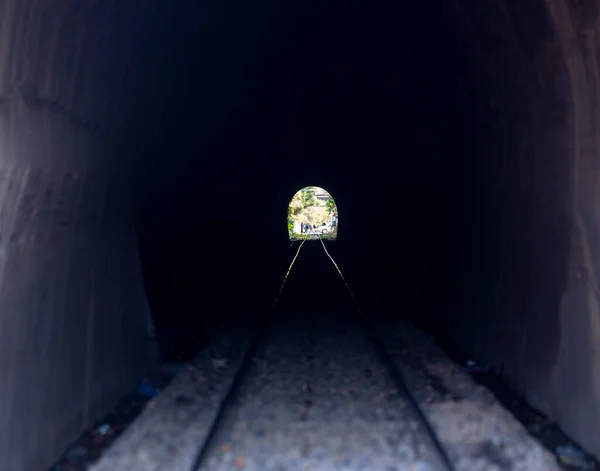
148, 153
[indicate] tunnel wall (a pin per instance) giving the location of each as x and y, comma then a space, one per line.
72, 330
574, 394
73, 310
532, 309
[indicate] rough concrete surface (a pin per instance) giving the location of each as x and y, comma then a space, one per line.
73, 311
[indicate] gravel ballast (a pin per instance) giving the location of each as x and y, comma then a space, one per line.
476, 431
317, 397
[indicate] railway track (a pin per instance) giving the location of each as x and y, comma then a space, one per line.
319, 391
324, 390
319, 397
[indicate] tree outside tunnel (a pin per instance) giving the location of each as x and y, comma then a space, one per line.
312, 213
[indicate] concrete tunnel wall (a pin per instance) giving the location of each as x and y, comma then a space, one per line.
72, 303
72, 336
539, 324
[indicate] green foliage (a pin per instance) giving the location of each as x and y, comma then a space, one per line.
308, 197
295, 206
330, 205
306, 207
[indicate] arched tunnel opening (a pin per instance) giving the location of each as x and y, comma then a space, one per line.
149, 152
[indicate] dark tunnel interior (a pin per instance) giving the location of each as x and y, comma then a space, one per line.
458, 139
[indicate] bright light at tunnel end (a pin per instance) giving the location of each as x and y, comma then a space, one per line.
312, 214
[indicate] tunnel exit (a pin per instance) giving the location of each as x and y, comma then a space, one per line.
312, 213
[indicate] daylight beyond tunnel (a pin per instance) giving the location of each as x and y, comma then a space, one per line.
312, 214
148, 153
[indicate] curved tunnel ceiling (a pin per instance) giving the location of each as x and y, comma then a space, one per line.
128, 128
